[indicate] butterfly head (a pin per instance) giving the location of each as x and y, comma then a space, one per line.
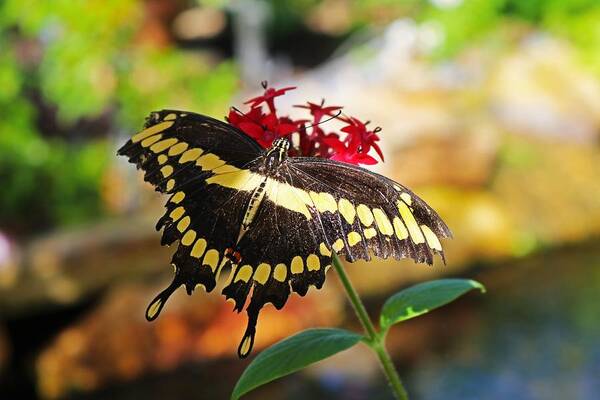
282, 144
277, 152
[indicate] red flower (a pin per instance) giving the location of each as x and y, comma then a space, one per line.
251, 124
347, 152
262, 128
312, 139
268, 97
279, 126
361, 138
236, 117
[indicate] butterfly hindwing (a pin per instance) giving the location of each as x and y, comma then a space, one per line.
282, 252
313, 207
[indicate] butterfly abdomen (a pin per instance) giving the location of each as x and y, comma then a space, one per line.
254, 204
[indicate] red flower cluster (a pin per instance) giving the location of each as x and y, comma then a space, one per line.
308, 138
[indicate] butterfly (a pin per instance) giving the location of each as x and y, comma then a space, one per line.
271, 220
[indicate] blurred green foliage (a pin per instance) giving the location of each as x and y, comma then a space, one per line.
462, 22
66, 65
468, 22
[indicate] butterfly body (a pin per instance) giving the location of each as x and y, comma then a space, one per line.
274, 219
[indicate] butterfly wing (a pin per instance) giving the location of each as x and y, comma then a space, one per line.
180, 152
314, 207
374, 213
311, 207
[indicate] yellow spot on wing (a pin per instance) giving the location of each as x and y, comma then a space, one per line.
225, 169
177, 213
287, 196
313, 263
151, 131
245, 346
240, 180
347, 210
282, 194
211, 258
370, 233
198, 249
170, 184
162, 159
163, 145
297, 265
280, 272
190, 155
432, 239
153, 309
400, 229
338, 245
262, 273
184, 223
406, 198
411, 223
383, 223
244, 274
324, 250
170, 117
177, 197
209, 161
364, 214
323, 201
229, 279
188, 238
354, 238
178, 149
151, 140
166, 171
302, 194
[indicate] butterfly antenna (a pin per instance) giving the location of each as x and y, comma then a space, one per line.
325, 120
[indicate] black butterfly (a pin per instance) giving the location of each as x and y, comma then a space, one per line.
272, 220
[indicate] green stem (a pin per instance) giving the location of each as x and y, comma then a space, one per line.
375, 341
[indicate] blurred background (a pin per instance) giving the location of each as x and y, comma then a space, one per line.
490, 111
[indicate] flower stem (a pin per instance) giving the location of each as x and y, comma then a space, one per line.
375, 340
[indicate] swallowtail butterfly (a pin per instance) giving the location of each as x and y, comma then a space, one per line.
272, 220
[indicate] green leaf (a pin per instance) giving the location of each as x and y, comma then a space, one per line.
422, 298
292, 354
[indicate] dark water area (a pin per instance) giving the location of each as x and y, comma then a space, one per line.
538, 335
